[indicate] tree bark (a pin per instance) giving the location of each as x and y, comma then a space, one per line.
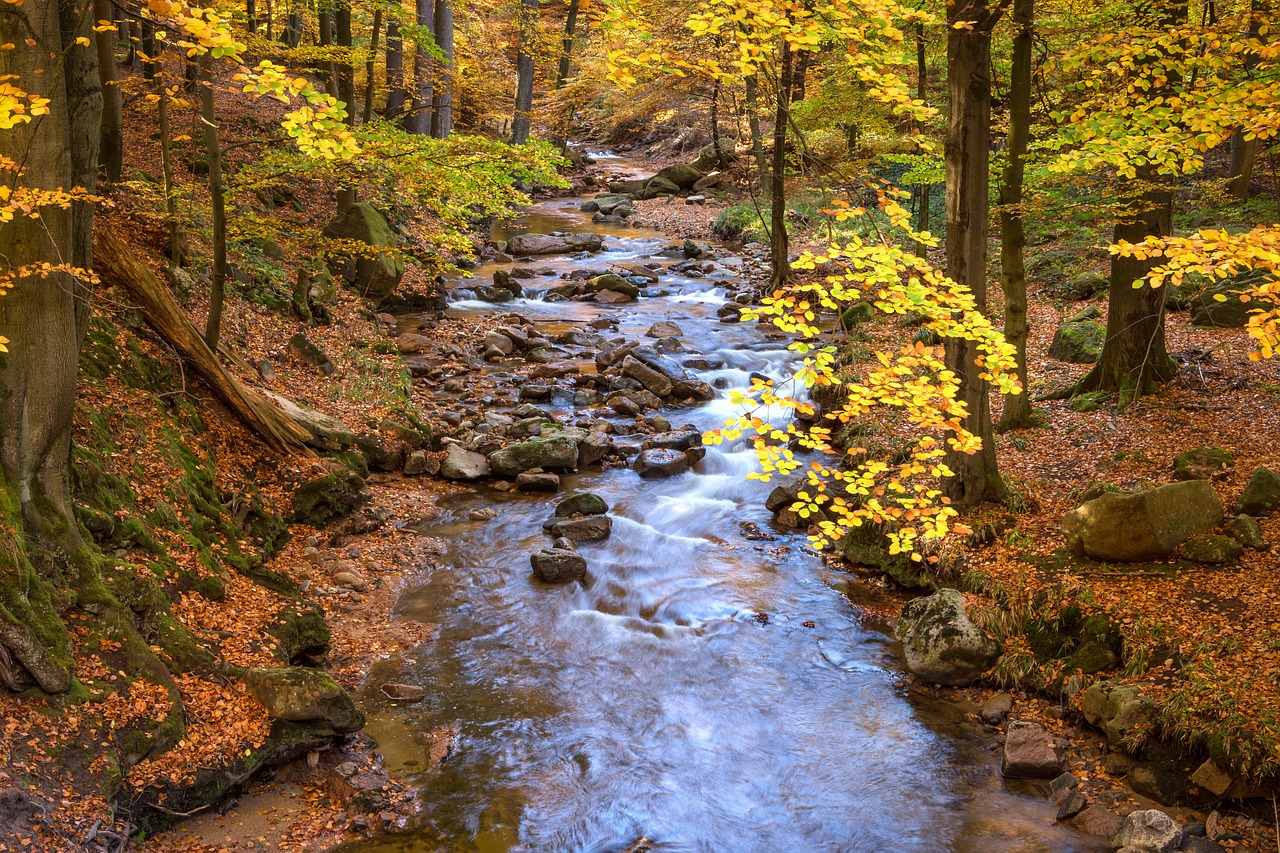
974, 476
566, 46
213, 151
370, 67
753, 125
177, 241
1013, 238
328, 70
251, 16
395, 73
442, 101
1245, 151
44, 319
111, 145
779, 245
419, 120
922, 85
523, 118
346, 89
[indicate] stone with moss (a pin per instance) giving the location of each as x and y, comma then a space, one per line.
1203, 463
1143, 525
302, 634
552, 454
334, 492
1089, 402
373, 272
1120, 710
857, 314
1084, 285
941, 644
1261, 496
300, 694
1079, 342
1212, 549
1246, 530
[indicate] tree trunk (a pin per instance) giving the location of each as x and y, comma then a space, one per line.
1013, 238
44, 319
395, 73
251, 16
419, 120
213, 151
112, 135
779, 246
523, 118
922, 85
753, 124
292, 27
716, 145
151, 65
346, 89
566, 46
328, 70
442, 102
974, 476
1245, 151
370, 67
177, 242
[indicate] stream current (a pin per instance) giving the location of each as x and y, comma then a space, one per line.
700, 690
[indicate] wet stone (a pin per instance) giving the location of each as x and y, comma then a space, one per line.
658, 462
555, 565
539, 482
594, 528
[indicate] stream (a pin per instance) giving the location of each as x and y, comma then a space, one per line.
702, 690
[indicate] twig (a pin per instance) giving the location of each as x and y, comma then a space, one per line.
161, 808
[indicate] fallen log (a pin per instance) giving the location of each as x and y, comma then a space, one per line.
117, 264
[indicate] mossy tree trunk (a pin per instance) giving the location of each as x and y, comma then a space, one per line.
779, 245
1013, 238
969, 24
395, 73
112, 142
45, 318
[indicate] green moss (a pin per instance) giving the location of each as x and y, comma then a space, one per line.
301, 631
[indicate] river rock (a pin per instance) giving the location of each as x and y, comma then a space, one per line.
1029, 753
1117, 709
682, 176
657, 462
333, 491
652, 380
613, 297
1262, 495
1149, 831
658, 186
402, 692
373, 275
693, 389
1143, 526
582, 503
557, 454
591, 528
415, 464
462, 464
995, 709
674, 440
498, 341
612, 282
539, 482
557, 565
545, 244
302, 694
941, 645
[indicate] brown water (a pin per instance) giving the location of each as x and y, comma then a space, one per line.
701, 690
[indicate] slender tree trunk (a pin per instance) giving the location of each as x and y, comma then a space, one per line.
151, 65
779, 245
566, 46
922, 85
346, 89
370, 67
328, 70
419, 120
716, 144
442, 102
251, 16
45, 319
1013, 239
974, 476
293, 26
753, 124
112, 142
177, 242
395, 73
523, 118
1245, 151
271, 20
213, 149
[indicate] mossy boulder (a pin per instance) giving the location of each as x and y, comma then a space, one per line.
1089, 402
659, 186
552, 454
335, 491
1261, 496
857, 314
1203, 463
868, 546
582, 503
1120, 710
1145, 525
1221, 307
300, 694
941, 645
372, 273
1212, 549
302, 635
1084, 285
1246, 530
1079, 342
682, 176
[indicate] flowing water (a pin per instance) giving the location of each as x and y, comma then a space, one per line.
702, 690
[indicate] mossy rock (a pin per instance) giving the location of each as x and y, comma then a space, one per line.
1246, 530
335, 493
1090, 402
857, 314
300, 694
1261, 496
868, 546
1212, 549
301, 633
1084, 285
373, 274
1203, 463
1078, 343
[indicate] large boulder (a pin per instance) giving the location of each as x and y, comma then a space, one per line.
373, 274
547, 244
1203, 463
659, 185
1029, 753
462, 464
558, 565
1142, 526
682, 175
302, 695
327, 432
334, 491
582, 503
1222, 306
1150, 831
941, 645
1120, 710
661, 462
1261, 496
1078, 343
551, 454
